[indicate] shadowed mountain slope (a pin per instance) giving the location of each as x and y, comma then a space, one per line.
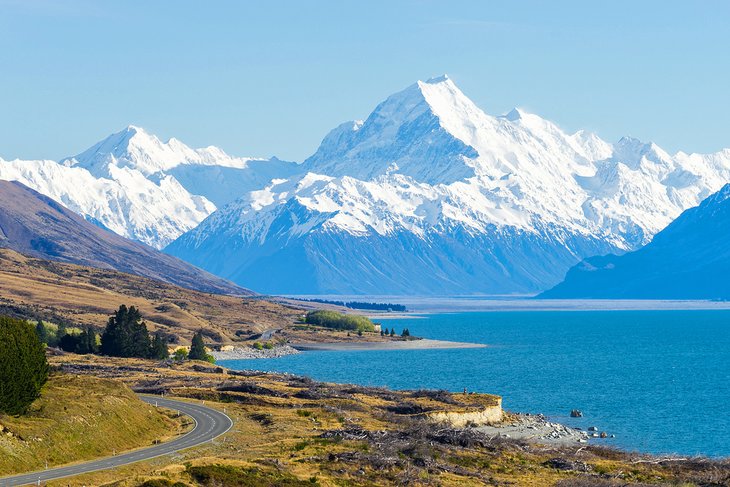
690, 259
36, 225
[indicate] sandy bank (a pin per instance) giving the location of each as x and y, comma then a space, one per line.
424, 344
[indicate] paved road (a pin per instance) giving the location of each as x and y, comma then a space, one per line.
209, 424
266, 335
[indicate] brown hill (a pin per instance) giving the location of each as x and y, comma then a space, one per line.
36, 225
33, 288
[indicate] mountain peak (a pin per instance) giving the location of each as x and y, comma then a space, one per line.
514, 114
438, 79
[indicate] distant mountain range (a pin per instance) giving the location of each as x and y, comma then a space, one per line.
142, 188
428, 195
36, 225
690, 259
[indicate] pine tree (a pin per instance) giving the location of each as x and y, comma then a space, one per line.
40, 330
69, 343
126, 334
23, 365
86, 342
197, 349
392, 332
159, 348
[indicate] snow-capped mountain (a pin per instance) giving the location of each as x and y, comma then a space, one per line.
430, 194
690, 259
142, 188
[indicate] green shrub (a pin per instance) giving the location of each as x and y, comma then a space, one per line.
339, 321
23, 365
214, 475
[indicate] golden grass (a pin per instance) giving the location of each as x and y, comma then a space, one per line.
86, 296
80, 418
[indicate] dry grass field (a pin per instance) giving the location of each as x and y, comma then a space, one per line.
39, 289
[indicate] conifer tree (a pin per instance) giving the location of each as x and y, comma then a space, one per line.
23, 365
126, 334
40, 330
159, 348
86, 342
197, 349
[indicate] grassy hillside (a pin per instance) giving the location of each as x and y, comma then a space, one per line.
80, 418
34, 288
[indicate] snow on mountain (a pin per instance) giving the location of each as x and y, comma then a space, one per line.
430, 193
142, 188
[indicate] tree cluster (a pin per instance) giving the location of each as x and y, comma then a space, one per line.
126, 335
339, 321
361, 305
23, 365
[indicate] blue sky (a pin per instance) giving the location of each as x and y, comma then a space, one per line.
273, 77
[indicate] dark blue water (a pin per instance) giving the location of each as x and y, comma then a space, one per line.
658, 380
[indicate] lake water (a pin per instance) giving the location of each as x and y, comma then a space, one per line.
658, 380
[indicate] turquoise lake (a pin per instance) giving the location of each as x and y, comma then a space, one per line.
658, 380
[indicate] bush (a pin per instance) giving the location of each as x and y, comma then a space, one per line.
180, 355
215, 475
23, 365
339, 321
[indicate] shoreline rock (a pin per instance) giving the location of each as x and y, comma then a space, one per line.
538, 429
249, 353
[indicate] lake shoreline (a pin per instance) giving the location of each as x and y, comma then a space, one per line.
421, 344
249, 353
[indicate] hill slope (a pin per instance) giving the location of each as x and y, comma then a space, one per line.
690, 259
36, 225
80, 418
32, 288
431, 195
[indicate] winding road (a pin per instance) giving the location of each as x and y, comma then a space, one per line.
209, 424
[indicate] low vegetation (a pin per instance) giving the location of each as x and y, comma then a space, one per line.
23, 366
339, 321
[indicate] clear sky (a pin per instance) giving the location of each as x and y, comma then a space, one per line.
272, 77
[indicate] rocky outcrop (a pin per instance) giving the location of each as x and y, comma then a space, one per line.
478, 417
